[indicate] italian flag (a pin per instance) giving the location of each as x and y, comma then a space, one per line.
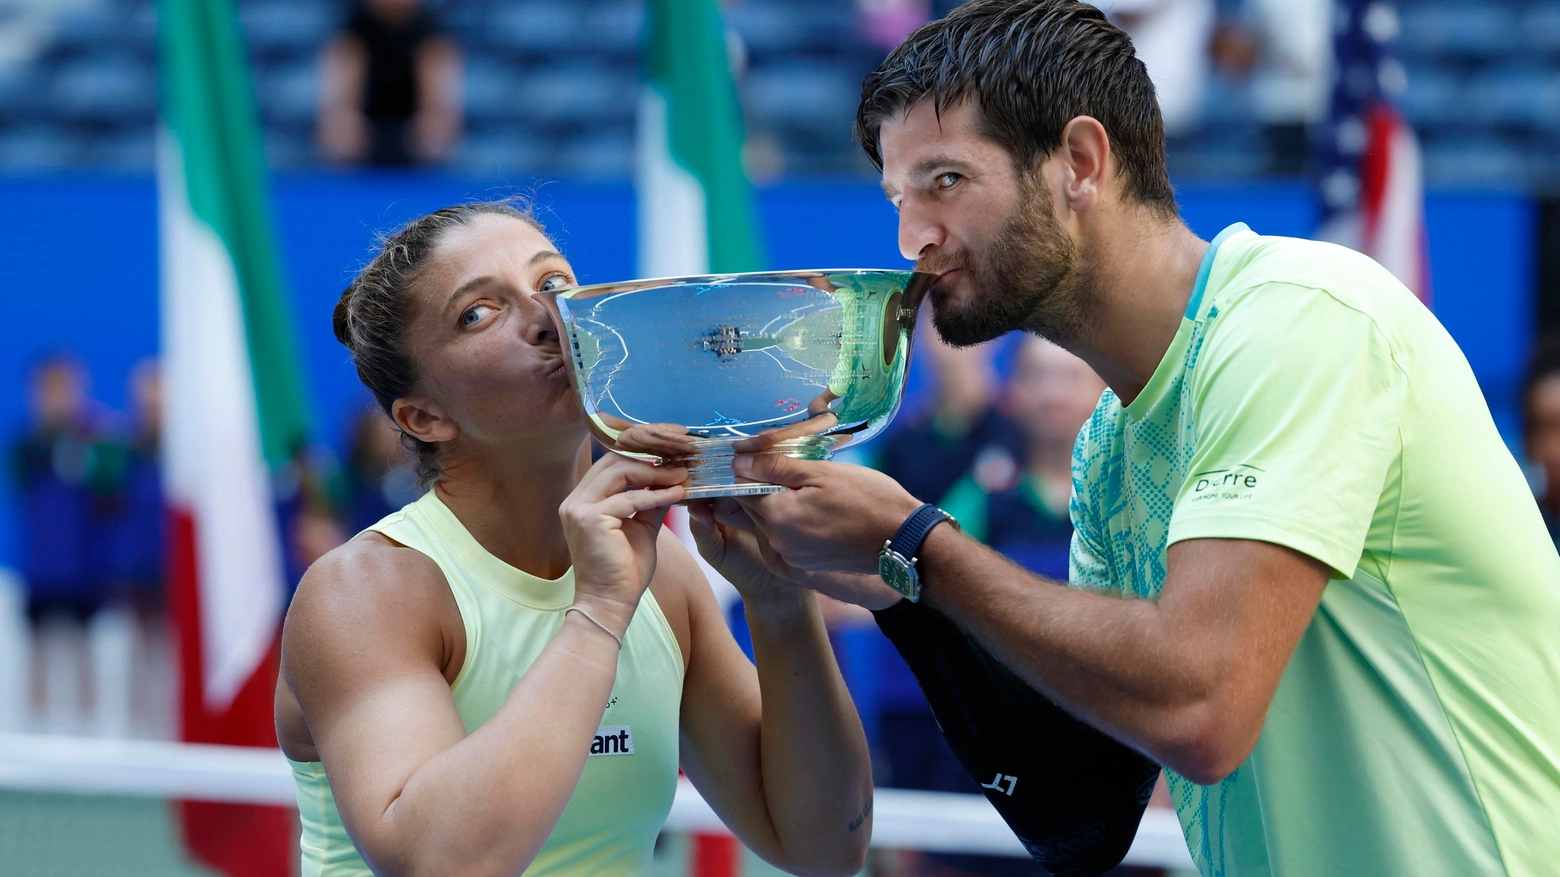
234, 410
696, 211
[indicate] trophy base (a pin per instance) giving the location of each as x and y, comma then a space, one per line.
709, 466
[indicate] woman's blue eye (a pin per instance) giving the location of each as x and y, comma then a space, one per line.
554, 281
473, 314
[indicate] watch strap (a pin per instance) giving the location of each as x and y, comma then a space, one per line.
915, 530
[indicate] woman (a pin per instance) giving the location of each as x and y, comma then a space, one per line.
505, 675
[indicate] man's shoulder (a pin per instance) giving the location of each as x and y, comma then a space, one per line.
1258, 270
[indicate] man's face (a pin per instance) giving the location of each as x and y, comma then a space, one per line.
989, 232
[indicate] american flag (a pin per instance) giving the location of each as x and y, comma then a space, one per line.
1367, 158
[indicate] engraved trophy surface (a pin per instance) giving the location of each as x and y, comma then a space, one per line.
794, 362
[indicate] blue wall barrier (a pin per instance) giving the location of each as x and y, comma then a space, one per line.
80, 266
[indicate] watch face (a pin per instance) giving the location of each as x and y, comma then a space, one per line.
898, 574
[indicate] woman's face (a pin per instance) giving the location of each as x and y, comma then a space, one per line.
486, 351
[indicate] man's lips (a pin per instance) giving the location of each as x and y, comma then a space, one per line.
940, 285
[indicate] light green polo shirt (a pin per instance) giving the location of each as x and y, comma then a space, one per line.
1311, 401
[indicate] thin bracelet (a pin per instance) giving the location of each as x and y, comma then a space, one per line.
592, 620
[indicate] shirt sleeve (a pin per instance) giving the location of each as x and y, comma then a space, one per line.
1297, 401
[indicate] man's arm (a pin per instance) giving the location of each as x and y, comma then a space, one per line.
1186, 678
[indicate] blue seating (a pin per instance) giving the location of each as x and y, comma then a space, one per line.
1520, 95
1475, 160
537, 26
39, 147
288, 94
513, 151
1539, 27
109, 89
286, 28
800, 94
1434, 97
1477, 28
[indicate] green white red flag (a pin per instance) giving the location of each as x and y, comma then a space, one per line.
234, 410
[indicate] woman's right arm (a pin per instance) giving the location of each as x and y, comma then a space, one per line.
363, 652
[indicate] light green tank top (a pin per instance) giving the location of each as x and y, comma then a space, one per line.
612, 819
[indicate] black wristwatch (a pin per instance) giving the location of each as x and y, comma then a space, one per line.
896, 562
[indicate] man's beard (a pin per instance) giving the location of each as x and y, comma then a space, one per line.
1030, 277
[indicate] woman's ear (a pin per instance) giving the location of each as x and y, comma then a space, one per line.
423, 419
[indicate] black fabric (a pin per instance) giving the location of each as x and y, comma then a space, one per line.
1073, 795
391, 46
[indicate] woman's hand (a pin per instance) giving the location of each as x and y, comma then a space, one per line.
611, 527
727, 538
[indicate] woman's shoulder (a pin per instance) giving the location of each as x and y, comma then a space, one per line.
372, 587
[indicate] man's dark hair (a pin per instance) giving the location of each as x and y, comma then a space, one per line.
1030, 66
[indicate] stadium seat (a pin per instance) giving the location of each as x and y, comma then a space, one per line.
289, 95
537, 26
286, 28
40, 147
1526, 95
106, 88
1435, 96
508, 151
1475, 160
1478, 29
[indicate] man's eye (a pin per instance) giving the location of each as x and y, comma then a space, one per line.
555, 281
474, 313
947, 180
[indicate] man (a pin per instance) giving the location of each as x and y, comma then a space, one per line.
1307, 576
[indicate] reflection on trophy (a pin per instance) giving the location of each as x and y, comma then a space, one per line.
796, 362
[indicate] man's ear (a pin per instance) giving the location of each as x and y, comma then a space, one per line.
1085, 155
423, 419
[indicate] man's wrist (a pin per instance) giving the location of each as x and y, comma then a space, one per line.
941, 539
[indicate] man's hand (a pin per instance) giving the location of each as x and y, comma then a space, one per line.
729, 540
834, 518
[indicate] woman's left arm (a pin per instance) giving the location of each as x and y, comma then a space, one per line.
778, 751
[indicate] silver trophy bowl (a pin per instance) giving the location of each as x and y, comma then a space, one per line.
788, 362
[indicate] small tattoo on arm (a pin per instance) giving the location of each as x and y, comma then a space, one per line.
862, 816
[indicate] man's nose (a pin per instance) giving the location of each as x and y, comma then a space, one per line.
918, 230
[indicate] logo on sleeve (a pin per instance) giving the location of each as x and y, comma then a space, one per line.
613, 740
1237, 482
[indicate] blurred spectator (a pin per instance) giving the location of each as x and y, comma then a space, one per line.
133, 508
53, 464
1051, 395
1171, 39
390, 87
1541, 410
130, 644
885, 23
1284, 47
379, 481
961, 434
